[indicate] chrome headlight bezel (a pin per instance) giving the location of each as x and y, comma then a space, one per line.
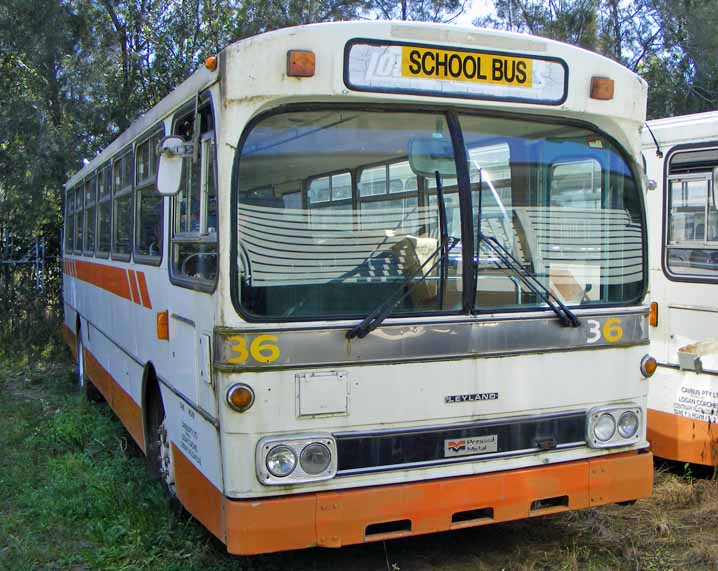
297, 443
616, 412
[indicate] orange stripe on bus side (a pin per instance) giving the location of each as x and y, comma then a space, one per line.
109, 278
125, 407
128, 284
143, 290
133, 287
682, 439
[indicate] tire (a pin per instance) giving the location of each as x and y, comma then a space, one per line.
159, 452
80, 350
83, 381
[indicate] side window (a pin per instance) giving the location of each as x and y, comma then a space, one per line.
77, 247
691, 222
69, 220
194, 209
90, 215
122, 206
692, 232
149, 205
104, 210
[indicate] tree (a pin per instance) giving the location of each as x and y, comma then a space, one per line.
418, 10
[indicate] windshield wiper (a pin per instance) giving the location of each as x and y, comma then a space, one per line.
384, 309
566, 316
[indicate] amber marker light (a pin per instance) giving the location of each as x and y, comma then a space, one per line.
300, 63
601, 88
163, 326
648, 366
240, 397
653, 315
211, 63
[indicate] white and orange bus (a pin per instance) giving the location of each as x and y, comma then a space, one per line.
681, 156
358, 281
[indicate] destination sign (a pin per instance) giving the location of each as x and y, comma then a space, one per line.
466, 66
441, 71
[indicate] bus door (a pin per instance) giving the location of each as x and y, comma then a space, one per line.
193, 259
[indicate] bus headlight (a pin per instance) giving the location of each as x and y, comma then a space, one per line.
628, 424
315, 458
613, 425
296, 459
604, 428
281, 461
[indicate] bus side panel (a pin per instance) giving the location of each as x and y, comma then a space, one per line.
681, 416
68, 327
198, 461
119, 378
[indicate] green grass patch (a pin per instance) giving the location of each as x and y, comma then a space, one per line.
74, 493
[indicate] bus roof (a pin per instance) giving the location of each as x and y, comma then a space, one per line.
681, 129
255, 69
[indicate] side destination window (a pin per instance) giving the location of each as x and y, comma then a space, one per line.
104, 211
149, 205
122, 206
692, 217
77, 247
90, 215
194, 218
69, 220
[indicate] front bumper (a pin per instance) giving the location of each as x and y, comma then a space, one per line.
344, 517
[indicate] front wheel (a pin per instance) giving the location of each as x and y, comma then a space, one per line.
159, 450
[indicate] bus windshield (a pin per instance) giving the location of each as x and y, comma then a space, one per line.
331, 218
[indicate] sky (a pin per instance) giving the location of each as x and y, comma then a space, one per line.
474, 9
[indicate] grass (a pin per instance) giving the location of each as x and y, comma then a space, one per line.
75, 495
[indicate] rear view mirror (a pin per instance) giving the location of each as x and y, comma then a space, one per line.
429, 155
714, 182
169, 174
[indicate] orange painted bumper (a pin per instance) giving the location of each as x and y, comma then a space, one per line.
683, 439
333, 519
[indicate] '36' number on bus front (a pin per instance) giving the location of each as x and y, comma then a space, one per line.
611, 331
262, 349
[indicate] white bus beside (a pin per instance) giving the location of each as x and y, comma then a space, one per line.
681, 156
358, 281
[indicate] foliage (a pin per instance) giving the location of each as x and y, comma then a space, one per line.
75, 73
671, 43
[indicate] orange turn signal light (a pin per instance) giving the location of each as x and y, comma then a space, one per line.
163, 326
240, 397
648, 366
300, 63
653, 315
601, 88
211, 63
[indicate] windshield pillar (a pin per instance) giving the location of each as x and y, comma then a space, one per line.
467, 221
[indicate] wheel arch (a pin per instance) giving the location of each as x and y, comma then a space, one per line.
151, 395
